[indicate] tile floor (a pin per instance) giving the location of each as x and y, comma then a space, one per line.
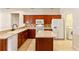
29, 45
59, 45
63, 45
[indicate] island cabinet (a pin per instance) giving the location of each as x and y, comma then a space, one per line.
44, 44
44, 41
22, 37
31, 33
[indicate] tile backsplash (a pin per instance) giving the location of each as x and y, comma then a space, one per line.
34, 25
47, 25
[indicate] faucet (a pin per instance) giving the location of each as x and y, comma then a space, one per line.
13, 26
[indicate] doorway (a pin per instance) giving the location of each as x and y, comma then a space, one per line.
68, 26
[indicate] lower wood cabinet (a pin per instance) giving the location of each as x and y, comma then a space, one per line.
31, 33
3, 44
22, 37
19, 39
44, 44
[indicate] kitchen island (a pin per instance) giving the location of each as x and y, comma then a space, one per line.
44, 41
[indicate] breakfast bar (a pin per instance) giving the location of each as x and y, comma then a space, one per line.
44, 41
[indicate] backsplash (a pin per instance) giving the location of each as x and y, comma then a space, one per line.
47, 25
34, 25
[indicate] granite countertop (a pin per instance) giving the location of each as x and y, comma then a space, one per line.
45, 34
10, 33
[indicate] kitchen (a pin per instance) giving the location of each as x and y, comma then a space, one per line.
40, 25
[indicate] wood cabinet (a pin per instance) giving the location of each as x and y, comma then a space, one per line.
26, 18
19, 39
44, 44
22, 37
3, 44
47, 18
31, 33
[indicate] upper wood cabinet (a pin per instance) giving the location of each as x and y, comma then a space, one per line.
47, 18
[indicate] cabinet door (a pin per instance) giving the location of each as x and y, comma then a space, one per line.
19, 40
26, 34
22, 37
31, 33
3, 44
26, 18
44, 44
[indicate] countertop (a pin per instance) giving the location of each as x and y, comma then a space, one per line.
45, 34
10, 33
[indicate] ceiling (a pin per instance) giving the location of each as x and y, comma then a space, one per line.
30, 9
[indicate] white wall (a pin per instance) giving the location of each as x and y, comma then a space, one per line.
5, 20
76, 28
39, 11
0, 19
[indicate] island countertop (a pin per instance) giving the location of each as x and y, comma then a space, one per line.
45, 34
